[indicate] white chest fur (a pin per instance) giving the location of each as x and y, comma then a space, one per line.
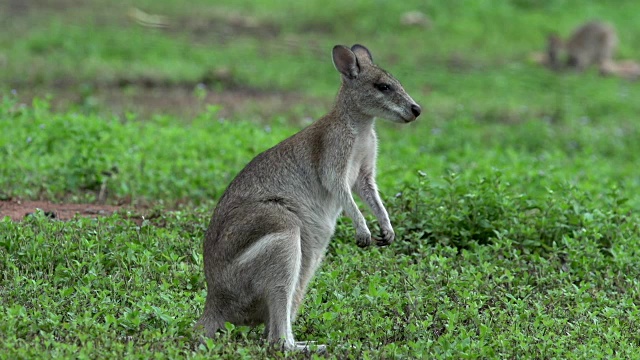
364, 150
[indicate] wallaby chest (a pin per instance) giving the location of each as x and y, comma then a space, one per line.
363, 152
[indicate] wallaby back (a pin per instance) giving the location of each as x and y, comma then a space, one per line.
591, 44
271, 227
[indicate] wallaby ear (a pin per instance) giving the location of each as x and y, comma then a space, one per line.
362, 54
345, 61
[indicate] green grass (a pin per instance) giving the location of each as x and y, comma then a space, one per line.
110, 288
514, 197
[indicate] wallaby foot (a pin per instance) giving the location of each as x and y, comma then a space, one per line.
301, 346
206, 327
310, 346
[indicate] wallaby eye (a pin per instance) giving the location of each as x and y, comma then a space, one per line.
383, 87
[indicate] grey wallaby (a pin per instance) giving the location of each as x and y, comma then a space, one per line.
271, 227
593, 43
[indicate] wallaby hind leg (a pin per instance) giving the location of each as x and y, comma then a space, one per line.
277, 256
256, 287
278, 328
308, 268
281, 280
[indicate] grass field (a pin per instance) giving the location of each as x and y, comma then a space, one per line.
514, 196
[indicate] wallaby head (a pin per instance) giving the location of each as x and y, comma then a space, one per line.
371, 90
554, 50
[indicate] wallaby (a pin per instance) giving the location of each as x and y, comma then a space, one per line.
271, 227
554, 51
592, 43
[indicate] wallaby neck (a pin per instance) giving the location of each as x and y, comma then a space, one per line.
350, 111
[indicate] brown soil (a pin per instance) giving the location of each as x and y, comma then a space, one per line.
248, 104
147, 96
22, 7
18, 210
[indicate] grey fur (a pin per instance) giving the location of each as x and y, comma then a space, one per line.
593, 43
271, 227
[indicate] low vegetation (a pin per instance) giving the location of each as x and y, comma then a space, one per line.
514, 197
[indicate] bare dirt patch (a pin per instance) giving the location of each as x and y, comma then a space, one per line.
22, 7
149, 96
223, 27
18, 209
248, 104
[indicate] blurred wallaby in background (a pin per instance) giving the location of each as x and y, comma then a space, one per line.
593, 43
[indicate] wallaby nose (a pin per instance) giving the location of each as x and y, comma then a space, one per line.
416, 110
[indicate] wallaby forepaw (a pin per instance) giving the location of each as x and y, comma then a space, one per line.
363, 239
387, 237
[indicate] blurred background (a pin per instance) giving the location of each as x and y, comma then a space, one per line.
167, 100
257, 59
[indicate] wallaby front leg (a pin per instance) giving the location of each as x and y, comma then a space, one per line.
363, 235
367, 189
336, 184
350, 208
